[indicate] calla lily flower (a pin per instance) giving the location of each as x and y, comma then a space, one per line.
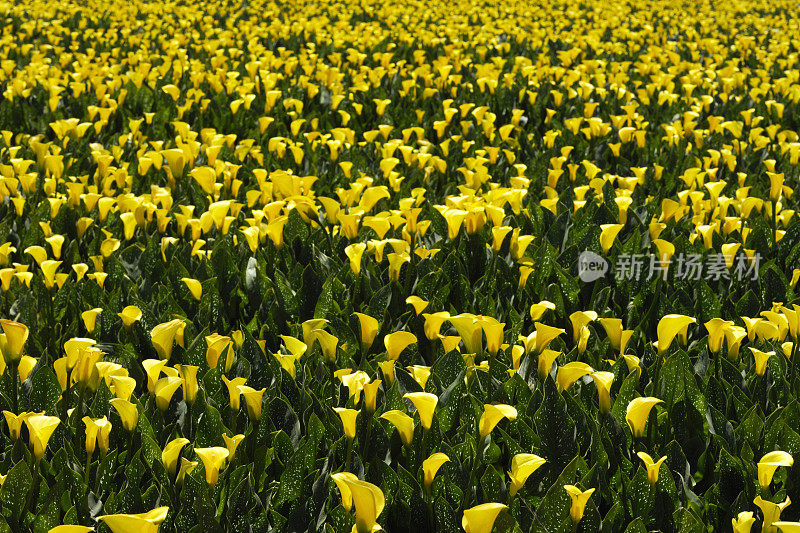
770, 463
608, 234
716, 333
165, 389
234, 392
761, 359
130, 315
171, 453
431, 466
232, 444
188, 374
397, 342
163, 337
425, 403
16, 335
135, 523
127, 412
545, 335
341, 478
403, 423
579, 320
771, 512
253, 399
787, 527
187, 467
371, 395
41, 428
637, 413
522, 466
420, 373
369, 328
417, 303
481, 518
570, 373
354, 253
14, 423
369, 502
492, 415
546, 359
216, 346
470, 330
603, 381
652, 466
433, 323
668, 327
537, 310
194, 286
213, 460
579, 500
743, 522
71, 529
348, 417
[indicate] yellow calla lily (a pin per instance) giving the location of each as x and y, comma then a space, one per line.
14, 423
232, 444
369, 328
354, 253
492, 415
341, 479
165, 389
195, 287
403, 423
431, 466
603, 381
216, 346
470, 330
425, 403
761, 358
608, 234
769, 463
163, 337
417, 303
787, 527
188, 374
716, 333
545, 335
253, 400
71, 529
369, 502
348, 417
652, 466
171, 453
135, 523
213, 459
396, 342
371, 395
234, 393
41, 428
481, 518
16, 335
743, 522
579, 500
433, 323
522, 466
127, 412
130, 315
637, 413
570, 373
771, 512
668, 327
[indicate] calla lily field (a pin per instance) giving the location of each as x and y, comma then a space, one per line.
337, 266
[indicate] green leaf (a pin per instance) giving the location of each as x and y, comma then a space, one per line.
15, 489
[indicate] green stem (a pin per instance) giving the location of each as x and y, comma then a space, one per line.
15, 386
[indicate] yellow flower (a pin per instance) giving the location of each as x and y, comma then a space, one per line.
420, 373
130, 315
397, 342
570, 373
232, 444
637, 413
403, 423
545, 363
354, 253
608, 234
371, 395
127, 413
195, 287
537, 310
41, 428
761, 359
668, 327
213, 460
417, 303
165, 389
480, 519
769, 464
544, 336
772, 513
186, 468
348, 417
470, 330
341, 478
603, 381
743, 522
716, 333
787, 527
492, 415
579, 500
433, 323
189, 375
431, 466
71, 529
652, 466
90, 318
234, 392
163, 337
74, 348
216, 346
369, 328
171, 453
579, 320
135, 523
425, 403
369, 502
253, 399
327, 343
522, 466
16, 335
14, 423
